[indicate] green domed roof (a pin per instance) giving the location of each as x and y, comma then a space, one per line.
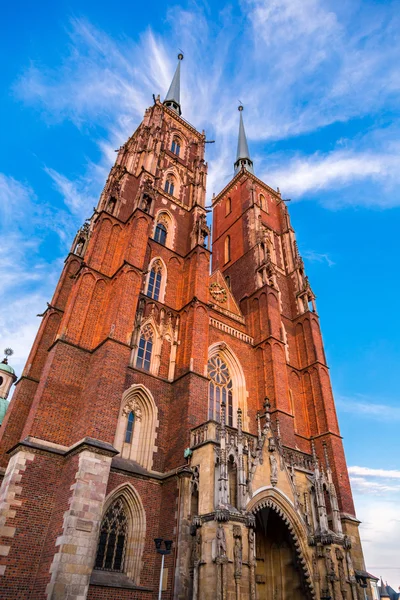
3, 408
5, 367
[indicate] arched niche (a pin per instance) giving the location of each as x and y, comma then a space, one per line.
141, 444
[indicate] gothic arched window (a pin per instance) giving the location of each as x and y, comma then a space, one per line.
176, 146
113, 538
228, 206
220, 389
169, 186
154, 281
145, 348
160, 234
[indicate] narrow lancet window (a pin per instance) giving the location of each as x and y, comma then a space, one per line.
169, 186
129, 428
176, 146
160, 234
227, 249
145, 349
154, 282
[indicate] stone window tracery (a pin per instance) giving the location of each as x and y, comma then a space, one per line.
143, 359
113, 538
220, 389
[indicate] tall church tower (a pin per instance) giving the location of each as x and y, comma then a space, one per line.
162, 402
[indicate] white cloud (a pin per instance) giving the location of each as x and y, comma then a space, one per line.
311, 174
363, 406
76, 194
297, 65
320, 257
366, 471
378, 511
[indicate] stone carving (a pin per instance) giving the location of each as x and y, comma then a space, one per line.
197, 547
237, 551
218, 292
330, 566
132, 406
274, 469
316, 574
221, 541
252, 564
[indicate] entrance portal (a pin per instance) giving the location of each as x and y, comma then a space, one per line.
279, 575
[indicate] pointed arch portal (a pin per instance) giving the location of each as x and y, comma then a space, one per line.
281, 570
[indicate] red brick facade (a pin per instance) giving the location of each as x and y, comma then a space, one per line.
84, 356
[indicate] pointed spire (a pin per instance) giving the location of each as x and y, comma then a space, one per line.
243, 155
173, 97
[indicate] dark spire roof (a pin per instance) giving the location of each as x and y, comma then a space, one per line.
173, 97
243, 155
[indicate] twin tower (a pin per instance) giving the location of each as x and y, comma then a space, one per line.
159, 401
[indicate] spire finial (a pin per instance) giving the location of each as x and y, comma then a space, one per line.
243, 159
173, 97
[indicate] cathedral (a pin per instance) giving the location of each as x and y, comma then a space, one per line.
173, 434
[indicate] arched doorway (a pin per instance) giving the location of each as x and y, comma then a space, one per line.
279, 575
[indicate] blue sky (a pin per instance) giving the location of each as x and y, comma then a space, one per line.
321, 89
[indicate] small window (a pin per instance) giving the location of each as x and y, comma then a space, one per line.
263, 203
160, 234
145, 349
129, 428
227, 249
176, 146
228, 281
154, 282
228, 206
169, 186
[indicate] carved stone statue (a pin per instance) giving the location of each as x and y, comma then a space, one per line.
197, 547
237, 553
221, 541
274, 469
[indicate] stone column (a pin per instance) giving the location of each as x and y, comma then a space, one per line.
77, 545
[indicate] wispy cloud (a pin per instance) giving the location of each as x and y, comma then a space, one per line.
320, 257
362, 406
76, 194
317, 172
366, 471
297, 65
